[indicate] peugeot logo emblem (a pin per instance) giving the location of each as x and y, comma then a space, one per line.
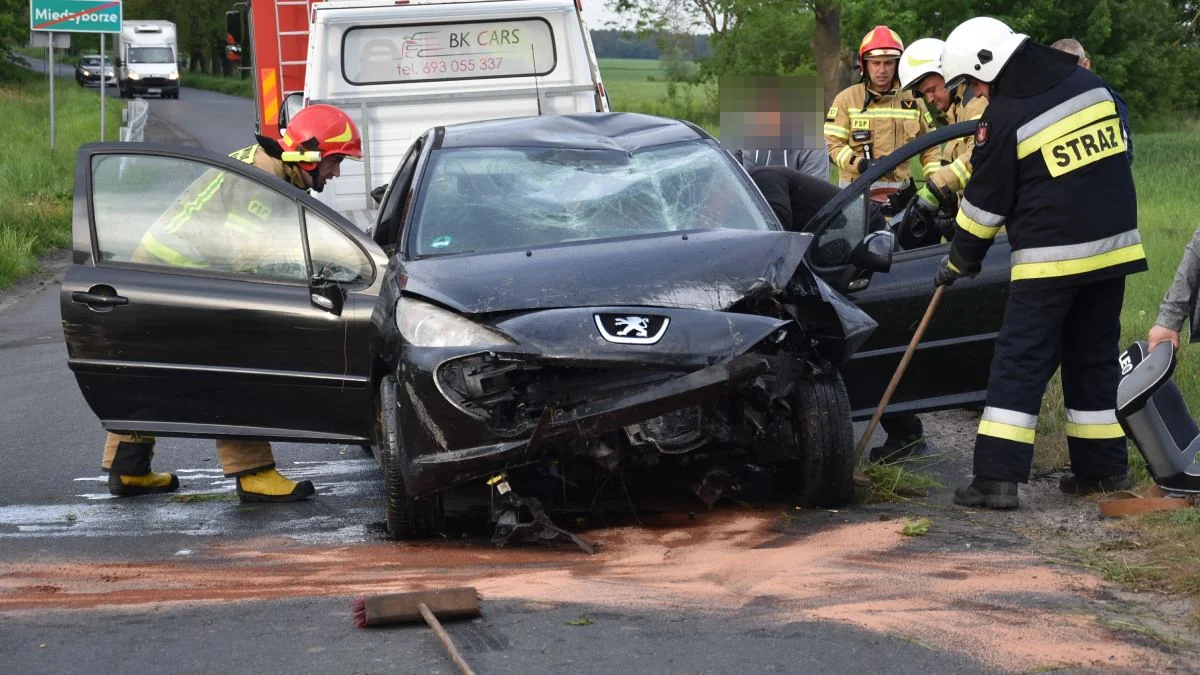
632, 329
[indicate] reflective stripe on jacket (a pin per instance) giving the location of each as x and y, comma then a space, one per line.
1051, 167
185, 234
885, 121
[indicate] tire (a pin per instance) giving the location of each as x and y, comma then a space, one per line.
407, 517
824, 476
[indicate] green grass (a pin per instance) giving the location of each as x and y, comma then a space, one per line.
902, 480
638, 85
235, 86
36, 183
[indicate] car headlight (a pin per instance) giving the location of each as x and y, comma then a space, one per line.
424, 325
173, 76
86, 72
134, 76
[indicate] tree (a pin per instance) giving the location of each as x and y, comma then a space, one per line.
657, 16
14, 22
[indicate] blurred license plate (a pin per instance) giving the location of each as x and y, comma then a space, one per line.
154, 91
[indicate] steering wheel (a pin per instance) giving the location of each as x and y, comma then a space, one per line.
915, 227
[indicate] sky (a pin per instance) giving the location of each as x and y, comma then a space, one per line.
597, 14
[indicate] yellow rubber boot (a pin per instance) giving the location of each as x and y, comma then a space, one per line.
269, 485
123, 485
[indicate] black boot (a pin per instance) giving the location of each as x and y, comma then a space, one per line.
994, 494
1087, 485
906, 437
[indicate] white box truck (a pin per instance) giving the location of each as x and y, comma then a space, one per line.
148, 59
401, 67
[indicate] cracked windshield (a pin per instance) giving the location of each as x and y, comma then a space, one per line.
485, 199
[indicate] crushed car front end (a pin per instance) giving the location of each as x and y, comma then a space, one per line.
498, 372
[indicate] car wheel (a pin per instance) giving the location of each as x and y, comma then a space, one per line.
407, 517
825, 435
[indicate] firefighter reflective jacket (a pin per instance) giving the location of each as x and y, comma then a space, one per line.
956, 155
1050, 166
860, 117
217, 220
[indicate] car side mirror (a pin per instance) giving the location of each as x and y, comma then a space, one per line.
292, 104
874, 252
233, 26
326, 294
378, 193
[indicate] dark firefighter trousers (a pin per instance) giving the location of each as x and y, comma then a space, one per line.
1078, 327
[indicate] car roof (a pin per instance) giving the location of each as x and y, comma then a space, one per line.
583, 131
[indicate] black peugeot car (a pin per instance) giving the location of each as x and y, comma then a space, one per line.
603, 290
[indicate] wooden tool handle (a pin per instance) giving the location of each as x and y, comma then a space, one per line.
891, 388
445, 638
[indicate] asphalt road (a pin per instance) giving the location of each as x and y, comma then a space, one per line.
197, 582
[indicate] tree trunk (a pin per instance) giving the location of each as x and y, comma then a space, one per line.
827, 48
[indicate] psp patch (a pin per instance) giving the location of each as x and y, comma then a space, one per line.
832, 114
981, 134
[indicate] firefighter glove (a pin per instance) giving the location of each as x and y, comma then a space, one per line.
928, 200
862, 165
948, 272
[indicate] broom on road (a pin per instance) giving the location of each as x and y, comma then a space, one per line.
860, 478
399, 608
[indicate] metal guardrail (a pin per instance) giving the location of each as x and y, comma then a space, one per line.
133, 120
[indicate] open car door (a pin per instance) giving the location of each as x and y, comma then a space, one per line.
950, 367
208, 298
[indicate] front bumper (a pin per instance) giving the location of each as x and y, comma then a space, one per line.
111, 80
152, 86
432, 471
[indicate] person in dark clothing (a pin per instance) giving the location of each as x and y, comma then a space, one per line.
1051, 167
795, 198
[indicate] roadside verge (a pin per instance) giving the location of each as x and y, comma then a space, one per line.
36, 182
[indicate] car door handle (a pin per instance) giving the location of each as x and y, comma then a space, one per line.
95, 299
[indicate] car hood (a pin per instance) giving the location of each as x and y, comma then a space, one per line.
710, 270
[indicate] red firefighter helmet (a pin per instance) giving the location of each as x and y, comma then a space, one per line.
881, 42
319, 131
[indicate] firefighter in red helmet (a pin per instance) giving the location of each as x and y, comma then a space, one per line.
874, 117
213, 224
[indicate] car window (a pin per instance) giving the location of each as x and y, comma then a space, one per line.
334, 256
183, 214
151, 55
835, 243
480, 199
387, 230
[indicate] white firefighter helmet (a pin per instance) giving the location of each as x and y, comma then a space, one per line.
979, 48
920, 59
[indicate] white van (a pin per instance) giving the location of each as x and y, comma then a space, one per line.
147, 59
399, 69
